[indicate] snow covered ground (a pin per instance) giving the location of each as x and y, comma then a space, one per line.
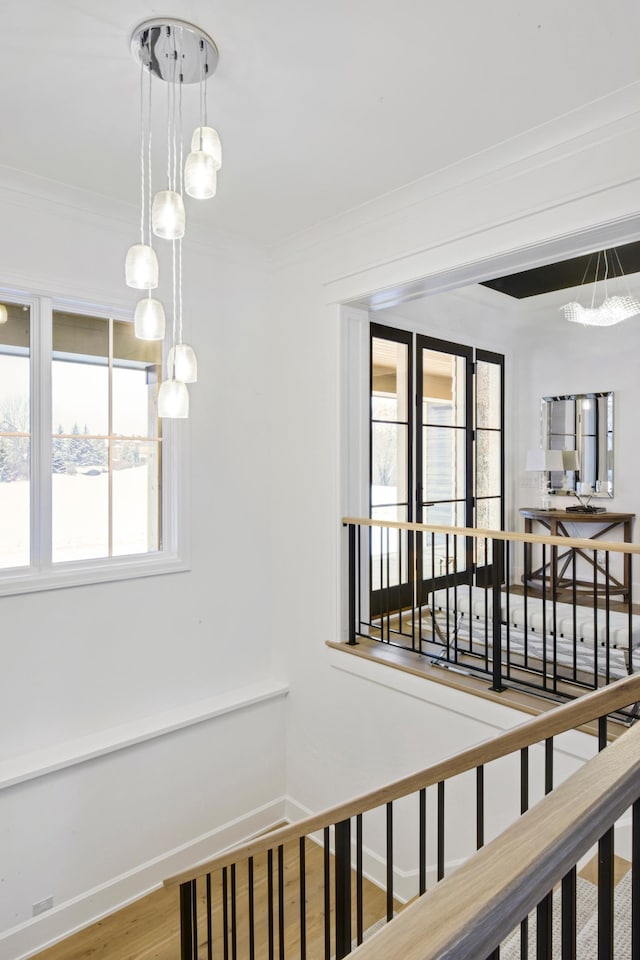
81, 516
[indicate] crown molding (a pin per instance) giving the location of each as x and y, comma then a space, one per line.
598, 122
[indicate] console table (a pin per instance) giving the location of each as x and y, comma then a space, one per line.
557, 571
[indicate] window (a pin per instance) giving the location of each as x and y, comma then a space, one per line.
85, 473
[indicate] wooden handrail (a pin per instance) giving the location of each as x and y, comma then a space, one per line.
507, 536
468, 914
567, 716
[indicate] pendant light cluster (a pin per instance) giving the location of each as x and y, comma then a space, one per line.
178, 53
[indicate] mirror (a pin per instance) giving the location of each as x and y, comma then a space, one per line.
581, 422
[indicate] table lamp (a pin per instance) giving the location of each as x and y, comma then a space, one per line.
544, 462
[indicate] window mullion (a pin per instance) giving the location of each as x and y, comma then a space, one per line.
41, 474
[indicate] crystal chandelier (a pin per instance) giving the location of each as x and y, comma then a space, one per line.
177, 53
612, 309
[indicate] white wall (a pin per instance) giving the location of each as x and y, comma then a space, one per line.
266, 495
346, 734
87, 670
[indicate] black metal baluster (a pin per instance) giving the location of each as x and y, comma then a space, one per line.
186, 928
225, 914
554, 627
545, 907
358, 562
303, 898
524, 806
234, 915
635, 881
504, 552
470, 614
527, 570
575, 615
448, 599
270, 902
544, 931
422, 842
479, 807
433, 575
389, 862
250, 895
327, 896
280, 902
440, 855
595, 619
569, 918
352, 585
381, 574
544, 616
497, 684
209, 920
388, 589
342, 832
486, 613
602, 732
359, 899
548, 765
194, 915
607, 613
629, 578
605, 896
399, 585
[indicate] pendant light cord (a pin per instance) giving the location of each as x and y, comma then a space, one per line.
142, 179
149, 184
179, 332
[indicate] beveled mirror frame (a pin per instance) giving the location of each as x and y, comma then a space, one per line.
581, 422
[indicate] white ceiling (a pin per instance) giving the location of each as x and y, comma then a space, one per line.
321, 105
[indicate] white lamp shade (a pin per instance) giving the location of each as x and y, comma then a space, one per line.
208, 139
182, 363
173, 400
4, 313
200, 178
167, 215
141, 267
149, 319
545, 460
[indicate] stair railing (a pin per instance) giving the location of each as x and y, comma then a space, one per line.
469, 914
549, 615
278, 912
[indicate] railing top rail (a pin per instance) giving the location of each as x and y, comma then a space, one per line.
468, 914
567, 716
479, 533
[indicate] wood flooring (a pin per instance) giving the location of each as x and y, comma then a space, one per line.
149, 928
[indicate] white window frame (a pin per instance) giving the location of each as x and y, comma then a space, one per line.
42, 573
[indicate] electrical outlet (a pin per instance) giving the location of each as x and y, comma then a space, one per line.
41, 906
600, 558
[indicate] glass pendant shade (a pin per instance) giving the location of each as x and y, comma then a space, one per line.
173, 400
612, 310
141, 267
149, 319
182, 362
208, 140
200, 178
167, 215
4, 313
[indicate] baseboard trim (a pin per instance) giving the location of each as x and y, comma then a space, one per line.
26, 939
